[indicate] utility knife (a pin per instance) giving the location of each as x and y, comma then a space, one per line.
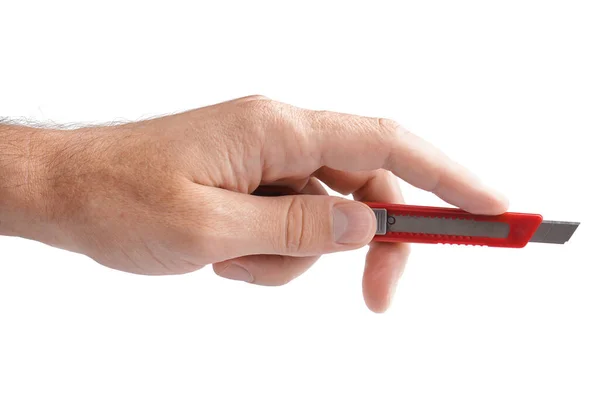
448, 225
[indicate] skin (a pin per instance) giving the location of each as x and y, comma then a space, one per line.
172, 194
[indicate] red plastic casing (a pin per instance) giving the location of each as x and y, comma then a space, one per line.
522, 226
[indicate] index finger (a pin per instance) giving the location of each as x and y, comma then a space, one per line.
354, 143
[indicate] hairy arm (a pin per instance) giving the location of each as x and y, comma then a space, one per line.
24, 196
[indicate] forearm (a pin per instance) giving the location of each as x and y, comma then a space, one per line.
25, 153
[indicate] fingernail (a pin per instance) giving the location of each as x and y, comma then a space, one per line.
352, 223
237, 273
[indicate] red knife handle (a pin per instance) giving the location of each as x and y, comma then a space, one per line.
521, 227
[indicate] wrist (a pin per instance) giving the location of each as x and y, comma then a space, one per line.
26, 205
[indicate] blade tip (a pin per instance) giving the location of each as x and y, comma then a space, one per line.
555, 232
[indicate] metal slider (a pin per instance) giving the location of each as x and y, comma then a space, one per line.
381, 216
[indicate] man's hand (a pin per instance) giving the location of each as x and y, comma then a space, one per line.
172, 194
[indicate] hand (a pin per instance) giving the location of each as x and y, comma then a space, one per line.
172, 194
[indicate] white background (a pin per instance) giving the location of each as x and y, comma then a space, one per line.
511, 89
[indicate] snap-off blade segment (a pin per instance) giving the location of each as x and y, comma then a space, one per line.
555, 232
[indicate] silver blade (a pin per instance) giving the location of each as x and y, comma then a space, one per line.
555, 232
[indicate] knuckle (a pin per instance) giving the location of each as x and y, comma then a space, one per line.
392, 134
276, 114
257, 115
389, 127
294, 237
258, 106
265, 118
254, 97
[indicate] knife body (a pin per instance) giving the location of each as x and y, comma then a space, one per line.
448, 225
422, 224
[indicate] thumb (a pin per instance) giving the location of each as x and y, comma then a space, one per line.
298, 225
